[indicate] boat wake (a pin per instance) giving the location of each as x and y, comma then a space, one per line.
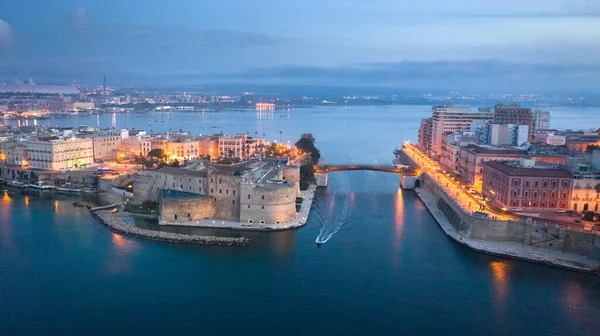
333, 219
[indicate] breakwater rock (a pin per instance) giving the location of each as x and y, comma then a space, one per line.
116, 224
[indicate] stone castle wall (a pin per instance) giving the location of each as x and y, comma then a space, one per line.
292, 173
271, 204
186, 210
226, 191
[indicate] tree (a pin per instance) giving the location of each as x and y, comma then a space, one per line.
175, 164
225, 160
157, 153
307, 145
308, 136
307, 174
591, 148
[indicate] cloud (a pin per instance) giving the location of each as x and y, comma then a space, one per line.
6, 33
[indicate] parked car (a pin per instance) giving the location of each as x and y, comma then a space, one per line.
472, 191
560, 211
516, 209
578, 221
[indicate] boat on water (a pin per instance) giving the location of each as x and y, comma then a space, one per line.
17, 184
68, 190
41, 186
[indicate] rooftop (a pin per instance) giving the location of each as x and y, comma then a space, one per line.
498, 151
514, 169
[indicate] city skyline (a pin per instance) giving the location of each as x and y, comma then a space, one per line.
386, 43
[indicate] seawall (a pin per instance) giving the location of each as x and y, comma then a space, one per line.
547, 244
116, 224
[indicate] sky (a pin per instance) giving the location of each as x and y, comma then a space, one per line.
404, 43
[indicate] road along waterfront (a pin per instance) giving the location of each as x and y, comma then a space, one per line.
500, 234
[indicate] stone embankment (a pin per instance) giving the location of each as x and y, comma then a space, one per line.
116, 224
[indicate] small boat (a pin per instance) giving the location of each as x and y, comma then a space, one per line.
17, 184
41, 186
69, 190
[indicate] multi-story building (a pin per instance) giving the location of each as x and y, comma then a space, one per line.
525, 185
107, 146
586, 184
551, 138
451, 144
579, 142
472, 157
540, 120
208, 146
240, 146
424, 140
184, 149
447, 119
13, 153
508, 134
54, 153
513, 114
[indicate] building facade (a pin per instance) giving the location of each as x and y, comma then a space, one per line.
540, 120
527, 186
240, 146
106, 147
52, 153
424, 140
514, 114
448, 119
472, 158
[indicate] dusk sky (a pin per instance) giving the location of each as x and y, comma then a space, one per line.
378, 42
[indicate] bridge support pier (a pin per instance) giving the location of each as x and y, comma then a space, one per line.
410, 181
322, 179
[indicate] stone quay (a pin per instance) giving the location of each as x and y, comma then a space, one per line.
116, 224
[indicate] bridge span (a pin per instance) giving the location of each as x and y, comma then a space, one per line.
321, 169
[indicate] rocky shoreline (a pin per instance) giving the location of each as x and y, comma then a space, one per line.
116, 224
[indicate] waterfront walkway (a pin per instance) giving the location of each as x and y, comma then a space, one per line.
300, 220
451, 186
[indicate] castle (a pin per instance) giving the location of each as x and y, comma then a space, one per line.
254, 192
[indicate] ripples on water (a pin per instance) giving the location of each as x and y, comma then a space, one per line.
331, 217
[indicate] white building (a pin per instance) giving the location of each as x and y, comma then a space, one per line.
540, 120
551, 138
508, 134
447, 119
240, 146
53, 153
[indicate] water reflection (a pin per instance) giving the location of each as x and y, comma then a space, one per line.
500, 273
398, 227
120, 261
6, 198
56, 206
575, 299
26, 201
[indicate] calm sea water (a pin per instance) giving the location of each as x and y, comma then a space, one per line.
386, 268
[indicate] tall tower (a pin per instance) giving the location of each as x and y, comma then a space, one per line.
104, 83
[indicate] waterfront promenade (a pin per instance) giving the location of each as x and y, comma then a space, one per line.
453, 188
